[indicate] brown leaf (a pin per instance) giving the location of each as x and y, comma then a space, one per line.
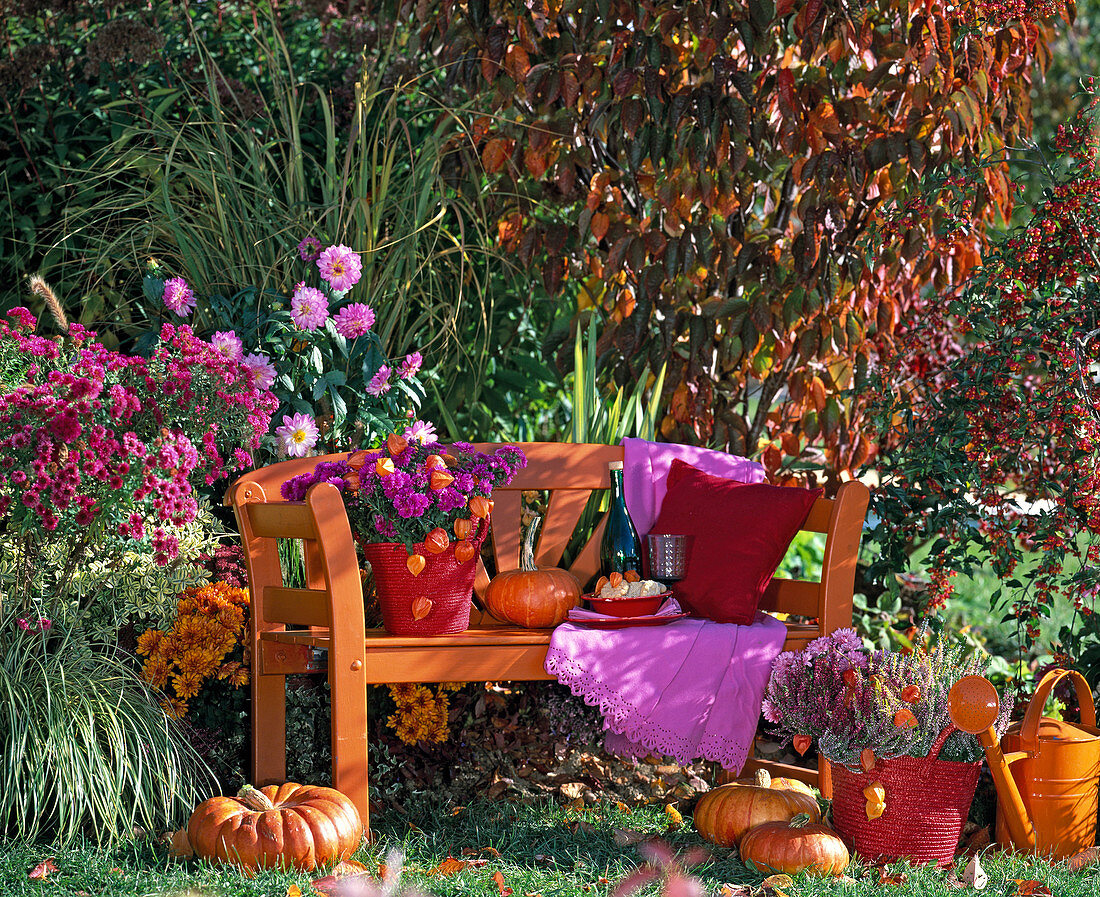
974, 875
179, 845
498, 880
293, 891
892, 878
675, 820
782, 880
451, 866
1087, 857
624, 837
43, 869
348, 886
1031, 888
736, 891
350, 867
421, 607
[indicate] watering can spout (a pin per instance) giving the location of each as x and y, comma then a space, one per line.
973, 706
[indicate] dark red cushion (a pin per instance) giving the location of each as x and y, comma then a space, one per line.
740, 533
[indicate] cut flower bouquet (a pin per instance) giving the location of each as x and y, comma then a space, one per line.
864, 705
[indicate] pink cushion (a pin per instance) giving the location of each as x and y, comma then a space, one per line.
740, 533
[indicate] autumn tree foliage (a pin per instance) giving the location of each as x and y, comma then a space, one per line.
701, 173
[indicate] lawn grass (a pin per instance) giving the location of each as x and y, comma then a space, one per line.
542, 850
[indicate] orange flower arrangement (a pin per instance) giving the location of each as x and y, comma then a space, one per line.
421, 715
210, 625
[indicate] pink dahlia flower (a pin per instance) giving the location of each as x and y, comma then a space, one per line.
263, 371
228, 345
411, 365
340, 267
179, 297
308, 308
421, 431
297, 435
354, 320
309, 249
380, 382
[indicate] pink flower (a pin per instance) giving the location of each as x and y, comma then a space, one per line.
309, 249
421, 431
263, 371
23, 318
179, 297
297, 435
354, 320
380, 382
340, 267
227, 344
308, 308
411, 365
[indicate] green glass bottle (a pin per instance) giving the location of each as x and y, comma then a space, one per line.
621, 549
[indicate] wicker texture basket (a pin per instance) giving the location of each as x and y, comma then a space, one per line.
444, 581
927, 802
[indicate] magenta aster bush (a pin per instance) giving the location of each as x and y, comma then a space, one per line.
405, 504
891, 702
101, 449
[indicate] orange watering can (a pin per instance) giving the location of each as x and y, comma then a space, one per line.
1047, 780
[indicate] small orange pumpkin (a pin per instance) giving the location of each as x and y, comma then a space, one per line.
724, 814
793, 847
290, 825
533, 597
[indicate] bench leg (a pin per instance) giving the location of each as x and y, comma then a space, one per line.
349, 733
824, 778
268, 729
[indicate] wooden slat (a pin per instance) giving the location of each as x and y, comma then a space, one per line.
565, 465
562, 516
587, 563
508, 507
820, 515
281, 520
792, 596
455, 663
300, 607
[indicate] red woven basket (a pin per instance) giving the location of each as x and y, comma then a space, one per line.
927, 802
443, 581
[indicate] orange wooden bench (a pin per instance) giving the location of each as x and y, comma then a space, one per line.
329, 612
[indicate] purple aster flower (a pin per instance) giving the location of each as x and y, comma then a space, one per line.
420, 431
340, 267
308, 308
297, 435
179, 297
411, 365
354, 320
309, 249
380, 382
263, 371
228, 345
23, 318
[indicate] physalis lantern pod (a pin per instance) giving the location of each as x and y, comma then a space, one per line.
801, 743
463, 527
396, 444
416, 563
421, 607
384, 467
436, 541
464, 551
904, 719
357, 460
910, 694
479, 506
440, 479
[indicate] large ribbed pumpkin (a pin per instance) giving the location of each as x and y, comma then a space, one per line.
303, 826
793, 847
533, 597
724, 814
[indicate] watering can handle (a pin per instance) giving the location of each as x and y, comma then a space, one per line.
1029, 730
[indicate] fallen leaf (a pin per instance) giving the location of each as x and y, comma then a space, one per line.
675, 820
621, 807
179, 845
293, 891
892, 878
735, 891
349, 886
782, 880
624, 837
421, 607
1087, 857
457, 810
350, 867
43, 869
452, 866
498, 880
1029, 888
974, 875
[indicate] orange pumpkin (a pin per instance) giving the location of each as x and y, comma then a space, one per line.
724, 814
303, 826
533, 597
793, 847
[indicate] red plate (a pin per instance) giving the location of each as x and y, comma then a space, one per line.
623, 622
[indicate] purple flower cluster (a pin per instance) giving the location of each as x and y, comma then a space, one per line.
408, 502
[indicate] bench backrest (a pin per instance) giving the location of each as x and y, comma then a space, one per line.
571, 473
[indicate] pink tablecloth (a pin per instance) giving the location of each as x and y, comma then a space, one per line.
689, 689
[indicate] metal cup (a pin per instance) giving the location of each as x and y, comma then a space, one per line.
667, 556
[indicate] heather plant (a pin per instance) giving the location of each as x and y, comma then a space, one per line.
102, 450
412, 490
990, 450
892, 703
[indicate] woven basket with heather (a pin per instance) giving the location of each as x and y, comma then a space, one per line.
419, 514
903, 776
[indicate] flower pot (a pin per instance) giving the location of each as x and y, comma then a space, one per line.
446, 583
927, 802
